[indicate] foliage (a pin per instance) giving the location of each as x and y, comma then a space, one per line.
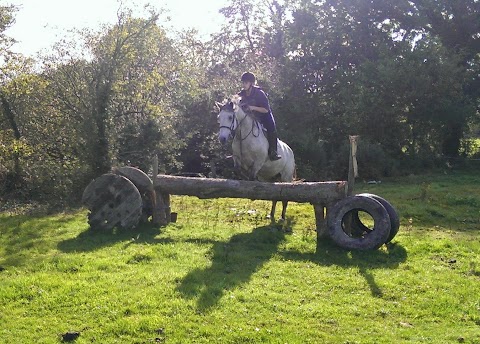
404, 75
370, 69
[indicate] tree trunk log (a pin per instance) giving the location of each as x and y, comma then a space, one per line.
308, 192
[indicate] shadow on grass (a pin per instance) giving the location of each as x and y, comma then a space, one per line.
233, 264
327, 254
235, 261
22, 236
94, 239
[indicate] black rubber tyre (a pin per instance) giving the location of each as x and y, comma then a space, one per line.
369, 240
392, 212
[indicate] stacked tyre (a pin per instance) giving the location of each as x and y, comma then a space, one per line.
348, 230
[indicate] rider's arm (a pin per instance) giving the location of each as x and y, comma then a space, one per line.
262, 101
258, 109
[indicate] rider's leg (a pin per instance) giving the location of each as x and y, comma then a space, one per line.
272, 145
269, 124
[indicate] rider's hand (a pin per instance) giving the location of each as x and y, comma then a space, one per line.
246, 107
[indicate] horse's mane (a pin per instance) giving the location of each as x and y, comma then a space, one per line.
236, 99
232, 103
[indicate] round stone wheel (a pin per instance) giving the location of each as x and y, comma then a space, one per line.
338, 217
113, 200
144, 185
139, 178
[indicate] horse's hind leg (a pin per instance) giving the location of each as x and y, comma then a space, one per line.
272, 211
284, 209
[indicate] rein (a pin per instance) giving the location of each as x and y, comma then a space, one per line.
233, 130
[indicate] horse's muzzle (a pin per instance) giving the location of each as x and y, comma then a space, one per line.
223, 140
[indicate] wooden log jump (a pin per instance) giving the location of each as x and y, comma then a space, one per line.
322, 195
306, 192
319, 194
127, 196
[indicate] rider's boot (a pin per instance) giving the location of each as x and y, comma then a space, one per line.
272, 145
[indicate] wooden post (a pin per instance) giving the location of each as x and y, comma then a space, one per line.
352, 173
166, 207
321, 221
158, 212
352, 165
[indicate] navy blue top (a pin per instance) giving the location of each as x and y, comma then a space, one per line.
258, 98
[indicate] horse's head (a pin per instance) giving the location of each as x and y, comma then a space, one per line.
227, 120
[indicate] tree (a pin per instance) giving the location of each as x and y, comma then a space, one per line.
120, 88
376, 68
10, 132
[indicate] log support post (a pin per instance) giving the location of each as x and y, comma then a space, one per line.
161, 207
158, 215
166, 207
321, 221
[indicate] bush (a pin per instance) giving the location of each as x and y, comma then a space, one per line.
373, 162
310, 158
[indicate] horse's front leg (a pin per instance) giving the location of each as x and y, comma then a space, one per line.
237, 168
238, 172
252, 172
254, 169
284, 209
272, 211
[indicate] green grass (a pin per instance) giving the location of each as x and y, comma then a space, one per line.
222, 274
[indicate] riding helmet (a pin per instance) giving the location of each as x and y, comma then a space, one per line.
249, 77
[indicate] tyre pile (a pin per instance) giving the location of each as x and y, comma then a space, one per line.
346, 229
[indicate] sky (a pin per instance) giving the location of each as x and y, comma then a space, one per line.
40, 23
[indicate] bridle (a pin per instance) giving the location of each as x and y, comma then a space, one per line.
236, 124
233, 126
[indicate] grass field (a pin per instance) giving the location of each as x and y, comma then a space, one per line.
222, 274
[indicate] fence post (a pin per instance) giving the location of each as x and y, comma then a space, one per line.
352, 165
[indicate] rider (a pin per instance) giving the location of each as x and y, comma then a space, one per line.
255, 100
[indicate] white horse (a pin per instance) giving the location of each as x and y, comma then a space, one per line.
250, 148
